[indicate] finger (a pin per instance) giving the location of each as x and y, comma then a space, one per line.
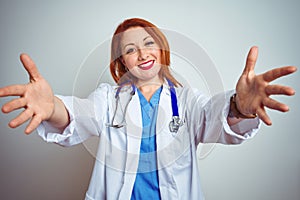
30, 66
263, 116
12, 90
251, 60
278, 72
275, 105
21, 118
279, 89
34, 123
14, 105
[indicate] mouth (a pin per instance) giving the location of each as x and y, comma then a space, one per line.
146, 65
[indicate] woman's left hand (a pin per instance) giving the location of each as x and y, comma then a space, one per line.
253, 91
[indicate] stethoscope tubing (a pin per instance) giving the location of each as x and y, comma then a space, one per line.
174, 124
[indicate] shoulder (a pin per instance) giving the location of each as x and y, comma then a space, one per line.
186, 91
103, 91
112, 90
191, 96
106, 88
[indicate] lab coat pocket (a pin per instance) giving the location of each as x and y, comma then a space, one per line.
182, 147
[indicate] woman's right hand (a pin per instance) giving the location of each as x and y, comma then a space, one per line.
36, 97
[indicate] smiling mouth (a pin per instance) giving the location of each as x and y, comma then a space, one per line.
146, 65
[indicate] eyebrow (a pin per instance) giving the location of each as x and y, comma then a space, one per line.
149, 36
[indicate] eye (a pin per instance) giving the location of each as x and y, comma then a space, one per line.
149, 43
130, 50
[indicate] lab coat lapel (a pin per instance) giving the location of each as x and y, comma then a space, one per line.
133, 133
163, 136
164, 140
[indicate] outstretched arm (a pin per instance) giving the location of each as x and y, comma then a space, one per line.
253, 91
37, 99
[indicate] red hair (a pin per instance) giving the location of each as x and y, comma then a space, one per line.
118, 69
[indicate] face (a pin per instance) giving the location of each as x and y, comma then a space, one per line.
141, 55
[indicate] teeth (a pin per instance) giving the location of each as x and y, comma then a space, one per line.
147, 64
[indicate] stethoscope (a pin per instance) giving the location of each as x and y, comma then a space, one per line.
174, 124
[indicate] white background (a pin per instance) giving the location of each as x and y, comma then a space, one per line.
59, 35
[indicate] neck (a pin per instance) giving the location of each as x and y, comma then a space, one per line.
149, 88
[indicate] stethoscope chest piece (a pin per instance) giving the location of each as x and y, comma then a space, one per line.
175, 124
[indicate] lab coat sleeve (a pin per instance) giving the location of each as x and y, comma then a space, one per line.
211, 124
86, 118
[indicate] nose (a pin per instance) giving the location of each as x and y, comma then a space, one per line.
143, 54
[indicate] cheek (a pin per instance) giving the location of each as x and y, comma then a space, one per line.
129, 61
157, 55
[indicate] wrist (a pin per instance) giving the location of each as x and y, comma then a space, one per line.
235, 112
60, 116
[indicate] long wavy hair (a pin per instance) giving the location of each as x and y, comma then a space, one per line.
119, 71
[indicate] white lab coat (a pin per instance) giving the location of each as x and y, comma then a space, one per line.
118, 151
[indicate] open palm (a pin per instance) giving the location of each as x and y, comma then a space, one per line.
254, 91
36, 97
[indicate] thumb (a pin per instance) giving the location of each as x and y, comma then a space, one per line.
30, 66
251, 60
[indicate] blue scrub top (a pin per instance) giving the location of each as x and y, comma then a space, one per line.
146, 184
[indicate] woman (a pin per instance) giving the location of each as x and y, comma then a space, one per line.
149, 125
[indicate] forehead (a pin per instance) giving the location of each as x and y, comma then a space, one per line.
133, 35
